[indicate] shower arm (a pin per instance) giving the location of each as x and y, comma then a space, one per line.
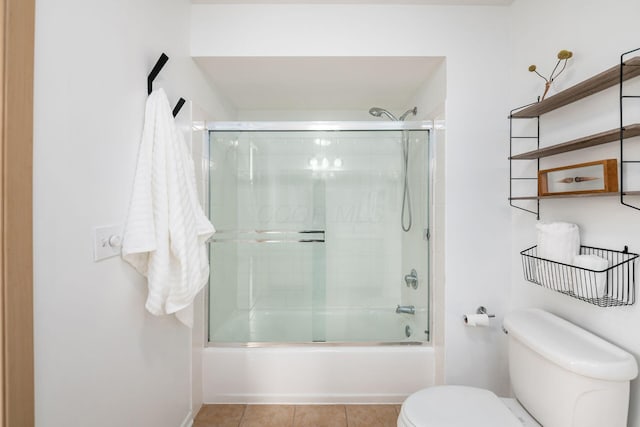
413, 111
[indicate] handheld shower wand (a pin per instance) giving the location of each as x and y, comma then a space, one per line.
378, 112
406, 197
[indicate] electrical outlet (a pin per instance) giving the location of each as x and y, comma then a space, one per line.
107, 241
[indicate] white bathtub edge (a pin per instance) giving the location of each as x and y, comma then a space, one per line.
356, 375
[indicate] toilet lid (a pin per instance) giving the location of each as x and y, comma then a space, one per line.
456, 406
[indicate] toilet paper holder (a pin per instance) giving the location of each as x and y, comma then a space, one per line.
480, 310
483, 310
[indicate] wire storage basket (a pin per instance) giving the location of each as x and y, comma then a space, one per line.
612, 286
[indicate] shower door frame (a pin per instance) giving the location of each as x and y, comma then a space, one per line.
293, 126
300, 126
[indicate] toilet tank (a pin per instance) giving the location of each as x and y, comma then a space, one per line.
565, 376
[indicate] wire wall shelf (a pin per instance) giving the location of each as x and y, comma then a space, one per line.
627, 66
628, 128
613, 286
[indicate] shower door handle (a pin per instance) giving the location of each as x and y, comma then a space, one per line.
267, 236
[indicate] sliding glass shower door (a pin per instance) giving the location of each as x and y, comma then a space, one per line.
309, 245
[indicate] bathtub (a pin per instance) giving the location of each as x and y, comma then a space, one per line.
318, 372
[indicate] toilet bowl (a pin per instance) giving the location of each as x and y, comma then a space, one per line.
561, 376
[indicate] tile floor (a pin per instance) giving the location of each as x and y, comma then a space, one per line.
297, 416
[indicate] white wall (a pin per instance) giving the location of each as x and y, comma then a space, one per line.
475, 42
100, 359
597, 32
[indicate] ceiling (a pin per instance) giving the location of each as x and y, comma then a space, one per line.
318, 83
327, 83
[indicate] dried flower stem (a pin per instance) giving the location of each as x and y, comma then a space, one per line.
561, 70
547, 86
563, 55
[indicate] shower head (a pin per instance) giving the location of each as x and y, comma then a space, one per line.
413, 111
378, 112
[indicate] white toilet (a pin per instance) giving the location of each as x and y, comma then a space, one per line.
561, 376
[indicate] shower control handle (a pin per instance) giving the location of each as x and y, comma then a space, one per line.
411, 279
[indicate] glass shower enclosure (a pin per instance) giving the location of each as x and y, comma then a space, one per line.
309, 246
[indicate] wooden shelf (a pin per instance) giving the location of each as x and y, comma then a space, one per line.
580, 143
609, 78
597, 83
571, 196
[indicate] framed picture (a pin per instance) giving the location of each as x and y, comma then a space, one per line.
583, 178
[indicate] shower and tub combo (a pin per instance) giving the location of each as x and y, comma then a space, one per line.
315, 291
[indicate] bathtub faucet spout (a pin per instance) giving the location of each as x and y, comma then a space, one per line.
407, 309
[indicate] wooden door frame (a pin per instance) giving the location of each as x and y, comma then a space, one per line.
17, 27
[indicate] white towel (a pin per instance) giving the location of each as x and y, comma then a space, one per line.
166, 228
590, 284
559, 242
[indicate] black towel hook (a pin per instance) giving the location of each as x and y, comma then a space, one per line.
154, 73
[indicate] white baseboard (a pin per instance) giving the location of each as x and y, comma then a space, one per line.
188, 421
308, 399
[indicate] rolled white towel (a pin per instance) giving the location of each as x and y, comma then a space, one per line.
558, 241
590, 284
554, 276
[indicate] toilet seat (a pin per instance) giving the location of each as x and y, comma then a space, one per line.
455, 406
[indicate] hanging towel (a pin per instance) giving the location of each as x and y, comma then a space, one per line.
166, 228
